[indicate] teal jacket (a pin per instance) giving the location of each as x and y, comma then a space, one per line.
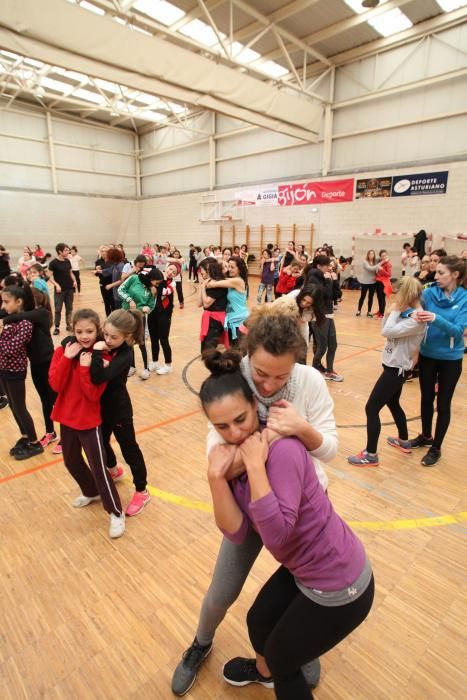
133, 289
444, 339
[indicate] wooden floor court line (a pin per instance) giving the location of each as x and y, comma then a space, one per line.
39, 467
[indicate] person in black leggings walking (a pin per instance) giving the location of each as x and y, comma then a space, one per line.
404, 334
442, 351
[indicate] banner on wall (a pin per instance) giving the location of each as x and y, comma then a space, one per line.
420, 183
326, 192
373, 187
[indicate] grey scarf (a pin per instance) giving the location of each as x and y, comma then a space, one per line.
287, 392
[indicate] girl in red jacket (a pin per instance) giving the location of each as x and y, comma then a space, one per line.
77, 408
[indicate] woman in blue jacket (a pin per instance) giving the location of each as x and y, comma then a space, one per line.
442, 351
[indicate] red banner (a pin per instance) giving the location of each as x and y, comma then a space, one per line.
327, 192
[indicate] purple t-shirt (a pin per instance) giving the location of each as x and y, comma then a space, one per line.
267, 276
297, 522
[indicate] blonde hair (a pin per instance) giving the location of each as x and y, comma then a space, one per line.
408, 293
129, 323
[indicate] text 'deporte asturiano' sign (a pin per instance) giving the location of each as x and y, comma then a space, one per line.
420, 183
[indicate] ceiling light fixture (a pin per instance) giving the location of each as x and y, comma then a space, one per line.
370, 3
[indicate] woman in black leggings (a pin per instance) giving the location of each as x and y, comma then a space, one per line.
404, 334
160, 320
442, 351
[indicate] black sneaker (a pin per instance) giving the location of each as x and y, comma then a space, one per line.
22, 442
56, 331
3, 402
240, 671
421, 441
431, 457
187, 670
31, 449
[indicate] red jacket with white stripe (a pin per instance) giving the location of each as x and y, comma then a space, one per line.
78, 402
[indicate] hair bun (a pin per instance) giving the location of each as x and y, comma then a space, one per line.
222, 362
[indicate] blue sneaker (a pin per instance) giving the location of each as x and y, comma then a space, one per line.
363, 459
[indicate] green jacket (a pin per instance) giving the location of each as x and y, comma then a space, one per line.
133, 289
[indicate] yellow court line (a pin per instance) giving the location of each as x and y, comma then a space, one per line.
413, 524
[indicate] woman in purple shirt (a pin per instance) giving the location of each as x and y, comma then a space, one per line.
324, 587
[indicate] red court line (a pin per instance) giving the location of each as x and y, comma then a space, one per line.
360, 352
39, 467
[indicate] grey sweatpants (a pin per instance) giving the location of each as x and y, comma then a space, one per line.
234, 563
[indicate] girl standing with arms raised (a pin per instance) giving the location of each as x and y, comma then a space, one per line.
442, 351
122, 329
77, 409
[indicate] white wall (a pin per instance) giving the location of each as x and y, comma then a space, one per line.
87, 158
27, 218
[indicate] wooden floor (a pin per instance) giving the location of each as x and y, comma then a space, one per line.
85, 617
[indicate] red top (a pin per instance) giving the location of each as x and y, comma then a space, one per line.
78, 402
286, 283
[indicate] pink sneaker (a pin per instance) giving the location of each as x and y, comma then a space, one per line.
48, 438
119, 474
137, 503
57, 450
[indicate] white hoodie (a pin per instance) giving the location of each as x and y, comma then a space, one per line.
404, 336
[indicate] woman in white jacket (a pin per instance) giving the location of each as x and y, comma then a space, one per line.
292, 399
404, 335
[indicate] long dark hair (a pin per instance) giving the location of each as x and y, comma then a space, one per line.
315, 292
22, 292
225, 378
213, 268
41, 300
148, 275
242, 268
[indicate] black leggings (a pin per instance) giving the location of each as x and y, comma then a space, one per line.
289, 630
40, 378
77, 275
213, 336
125, 436
386, 392
193, 269
179, 288
159, 330
16, 392
326, 343
381, 296
370, 288
446, 373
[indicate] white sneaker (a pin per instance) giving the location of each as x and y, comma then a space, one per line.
145, 374
165, 369
117, 525
131, 371
153, 366
83, 501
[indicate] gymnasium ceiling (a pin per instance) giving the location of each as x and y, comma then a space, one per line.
267, 55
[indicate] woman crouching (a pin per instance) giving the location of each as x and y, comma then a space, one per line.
324, 587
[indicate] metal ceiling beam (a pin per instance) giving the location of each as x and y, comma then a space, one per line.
195, 13
283, 32
418, 31
278, 16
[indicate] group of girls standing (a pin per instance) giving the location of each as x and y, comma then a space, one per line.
272, 424
223, 298
375, 277
424, 325
82, 386
89, 376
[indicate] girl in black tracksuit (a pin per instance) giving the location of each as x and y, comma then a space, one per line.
111, 360
40, 351
160, 320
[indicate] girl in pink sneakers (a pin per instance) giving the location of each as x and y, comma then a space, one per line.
122, 330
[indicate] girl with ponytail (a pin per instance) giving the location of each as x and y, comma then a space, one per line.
122, 329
